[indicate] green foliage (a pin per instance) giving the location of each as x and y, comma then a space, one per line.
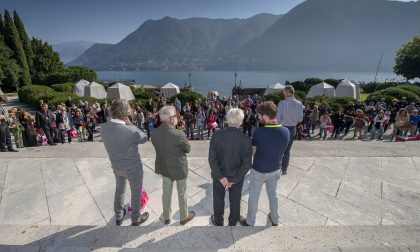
142, 93
407, 62
13, 42
65, 87
312, 81
71, 74
394, 93
187, 97
376, 86
33, 93
300, 93
333, 102
410, 87
300, 85
332, 82
9, 70
26, 42
45, 61
277, 97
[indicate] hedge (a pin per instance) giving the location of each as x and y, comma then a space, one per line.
33, 93
394, 93
65, 87
142, 93
333, 102
332, 82
187, 97
277, 97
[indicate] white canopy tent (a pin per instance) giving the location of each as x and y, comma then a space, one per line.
274, 88
346, 89
79, 88
120, 91
357, 85
169, 90
95, 90
321, 89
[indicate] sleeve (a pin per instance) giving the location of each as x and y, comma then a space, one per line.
214, 163
246, 158
185, 145
279, 115
301, 112
139, 136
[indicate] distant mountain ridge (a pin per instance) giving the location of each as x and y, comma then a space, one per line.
173, 44
70, 51
326, 35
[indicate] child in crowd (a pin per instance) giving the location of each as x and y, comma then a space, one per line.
324, 121
78, 124
359, 123
200, 118
338, 122
414, 121
15, 127
379, 124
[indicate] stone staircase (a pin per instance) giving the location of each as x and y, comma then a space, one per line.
112, 238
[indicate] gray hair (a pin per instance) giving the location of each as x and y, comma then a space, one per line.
166, 112
289, 89
235, 117
120, 109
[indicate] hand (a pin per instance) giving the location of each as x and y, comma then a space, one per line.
224, 182
127, 121
229, 185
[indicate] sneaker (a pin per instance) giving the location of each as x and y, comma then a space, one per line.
190, 216
119, 222
283, 172
243, 222
143, 218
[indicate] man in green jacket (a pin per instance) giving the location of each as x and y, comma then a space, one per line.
171, 147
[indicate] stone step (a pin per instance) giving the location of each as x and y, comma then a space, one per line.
112, 238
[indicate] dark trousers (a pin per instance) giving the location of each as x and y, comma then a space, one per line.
190, 130
219, 202
247, 128
5, 138
286, 157
47, 133
90, 132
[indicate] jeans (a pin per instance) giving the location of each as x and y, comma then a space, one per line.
221, 122
286, 157
181, 186
135, 178
201, 131
255, 185
380, 131
322, 132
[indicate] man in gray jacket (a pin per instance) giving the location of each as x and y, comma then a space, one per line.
121, 140
171, 147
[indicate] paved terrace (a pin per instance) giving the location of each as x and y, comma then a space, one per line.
337, 196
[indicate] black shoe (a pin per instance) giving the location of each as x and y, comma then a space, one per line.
167, 222
213, 222
243, 222
119, 222
272, 223
190, 216
3, 150
283, 172
12, 150
143, 218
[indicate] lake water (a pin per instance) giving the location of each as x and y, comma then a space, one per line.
206, 81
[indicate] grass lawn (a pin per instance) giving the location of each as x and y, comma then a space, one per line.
363, 96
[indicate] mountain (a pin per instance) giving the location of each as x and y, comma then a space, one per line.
173, 44
331, 35
71, 50
88, 57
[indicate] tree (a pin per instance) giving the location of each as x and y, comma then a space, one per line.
45, 60
13, 41
9, 70
407, 62
26, 42
2, 27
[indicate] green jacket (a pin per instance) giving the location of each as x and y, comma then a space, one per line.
171, 147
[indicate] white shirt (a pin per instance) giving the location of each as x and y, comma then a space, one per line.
117, 121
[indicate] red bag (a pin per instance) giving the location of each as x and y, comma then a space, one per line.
143, 202
329, 127
73, 133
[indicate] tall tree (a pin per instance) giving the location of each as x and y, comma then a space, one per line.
12, 39
46, 60
407, 62
26, 42
2, 26
9, 70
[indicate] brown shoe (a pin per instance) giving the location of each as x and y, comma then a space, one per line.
167, 222
191, 216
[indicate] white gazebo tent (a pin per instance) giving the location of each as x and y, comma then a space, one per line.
274, 88
169, 90
79, 88
357, 85
321, 89
95, 90
346, 89
120, 91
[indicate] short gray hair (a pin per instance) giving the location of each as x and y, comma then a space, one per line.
120, 109
235, 117
165, 113
289, 89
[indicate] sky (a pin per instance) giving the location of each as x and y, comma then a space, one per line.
109, 21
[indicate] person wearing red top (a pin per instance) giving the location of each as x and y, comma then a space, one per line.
211, 123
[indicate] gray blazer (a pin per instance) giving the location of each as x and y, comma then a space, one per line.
171, 147
230, 155
121, 142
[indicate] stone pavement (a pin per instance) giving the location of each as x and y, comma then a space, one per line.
337, 196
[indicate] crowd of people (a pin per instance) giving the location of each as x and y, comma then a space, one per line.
199, 119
